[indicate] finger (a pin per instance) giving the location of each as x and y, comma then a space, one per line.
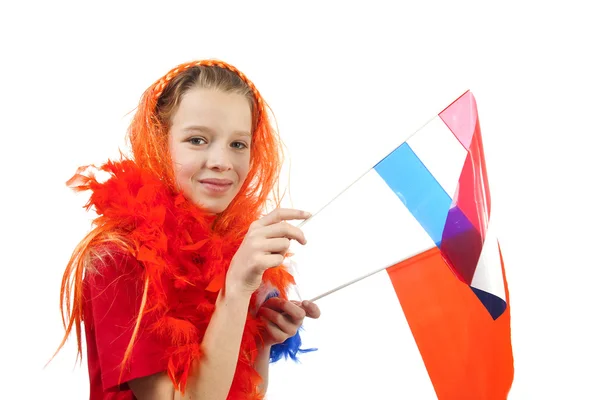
288, 308
312, 310
283, 229
276, 245
278, 320
283, 214
271, 260
296, 313
277, 334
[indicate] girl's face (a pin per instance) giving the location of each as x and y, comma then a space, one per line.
209, 141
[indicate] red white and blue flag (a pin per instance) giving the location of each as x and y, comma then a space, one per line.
423, 217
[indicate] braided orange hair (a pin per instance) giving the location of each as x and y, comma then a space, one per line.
148, 134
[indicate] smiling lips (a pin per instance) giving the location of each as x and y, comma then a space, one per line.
216, 185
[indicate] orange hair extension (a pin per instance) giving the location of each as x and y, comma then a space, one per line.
149, 145
136, 329
148, 139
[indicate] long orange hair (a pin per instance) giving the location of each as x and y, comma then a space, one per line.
148, 133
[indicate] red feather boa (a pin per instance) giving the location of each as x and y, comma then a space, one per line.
185, 261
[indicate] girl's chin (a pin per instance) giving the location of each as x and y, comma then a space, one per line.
210, 205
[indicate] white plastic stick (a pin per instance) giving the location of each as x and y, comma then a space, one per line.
342, 192
360, 279
363, 174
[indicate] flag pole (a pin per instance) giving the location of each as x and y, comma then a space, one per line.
346, 285
353, 281
301, 224
390, 152
338, 195
363, 174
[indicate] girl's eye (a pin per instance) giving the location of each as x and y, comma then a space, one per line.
197, 141
239, 145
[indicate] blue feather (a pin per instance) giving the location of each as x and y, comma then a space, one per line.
291, 347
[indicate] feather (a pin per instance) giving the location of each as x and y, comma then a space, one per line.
185, 262
291, 347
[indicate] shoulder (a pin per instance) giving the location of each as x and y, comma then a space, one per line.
111, 263
113, 287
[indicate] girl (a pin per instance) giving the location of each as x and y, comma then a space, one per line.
180, 285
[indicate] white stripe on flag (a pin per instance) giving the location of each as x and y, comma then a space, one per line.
488, 273
441, 153
365, 229
364, 331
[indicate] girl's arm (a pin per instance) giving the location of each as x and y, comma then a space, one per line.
262, 367
220, 347
283, 319
264, 246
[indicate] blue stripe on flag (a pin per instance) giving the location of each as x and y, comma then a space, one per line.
414, 185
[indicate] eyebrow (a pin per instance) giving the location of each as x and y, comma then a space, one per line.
199, 128
205, 129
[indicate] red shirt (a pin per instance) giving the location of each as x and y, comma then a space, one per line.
112, 299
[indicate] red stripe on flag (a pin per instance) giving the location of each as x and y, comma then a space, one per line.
473, 194
467, 354
463, 240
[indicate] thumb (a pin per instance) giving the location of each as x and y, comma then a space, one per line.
311, 309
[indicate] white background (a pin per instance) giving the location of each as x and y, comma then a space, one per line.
346, 80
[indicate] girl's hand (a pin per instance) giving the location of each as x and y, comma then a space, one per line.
284, 318
264, 246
